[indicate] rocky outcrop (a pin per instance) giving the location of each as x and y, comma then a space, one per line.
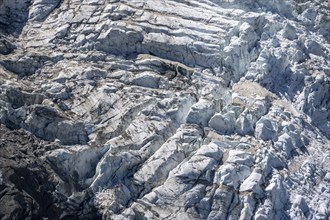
30, 185
164, 109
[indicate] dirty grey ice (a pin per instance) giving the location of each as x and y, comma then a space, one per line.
165, 109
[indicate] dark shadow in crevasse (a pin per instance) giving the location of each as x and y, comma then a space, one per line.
13, 16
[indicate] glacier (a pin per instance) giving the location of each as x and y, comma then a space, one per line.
165, 109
